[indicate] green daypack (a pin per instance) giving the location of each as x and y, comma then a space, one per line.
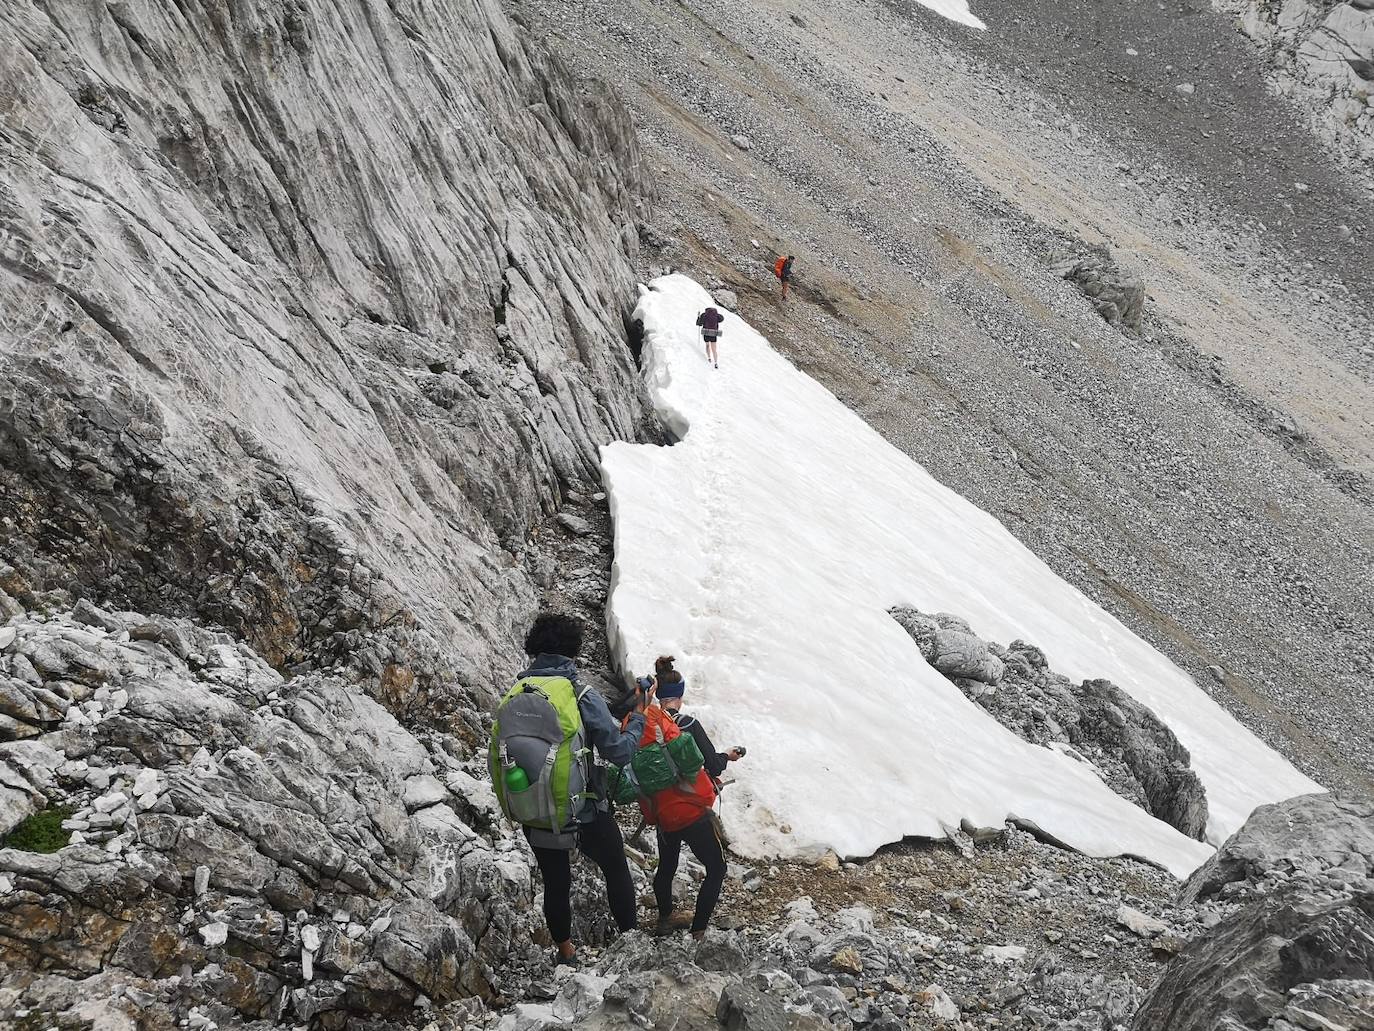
655, 767
538, 729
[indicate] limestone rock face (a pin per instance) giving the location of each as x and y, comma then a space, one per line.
1297, 953
1320, 53
279, 863
1284, 959
1317, 836
310, 312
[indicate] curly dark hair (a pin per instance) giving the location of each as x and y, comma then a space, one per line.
554, 633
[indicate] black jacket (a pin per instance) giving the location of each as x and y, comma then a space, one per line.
715, 761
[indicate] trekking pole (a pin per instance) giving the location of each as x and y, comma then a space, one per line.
635, 837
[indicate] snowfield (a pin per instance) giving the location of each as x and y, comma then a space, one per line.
764, 550
954, 10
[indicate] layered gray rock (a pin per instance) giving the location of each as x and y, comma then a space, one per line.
311, 313
1094, 721
1324, 838
1117, 297
244, 845
1299, 951
1241, 974
1321, 54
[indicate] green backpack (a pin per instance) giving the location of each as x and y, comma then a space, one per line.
657, 766
538, 757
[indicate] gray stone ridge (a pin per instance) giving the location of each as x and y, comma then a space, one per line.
1320, 54
1125, 743
1298, 952
241, 844
310, 314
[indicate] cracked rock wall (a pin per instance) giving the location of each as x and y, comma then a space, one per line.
308, 313
1321, 53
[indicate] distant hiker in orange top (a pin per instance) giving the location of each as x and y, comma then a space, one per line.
710, 321
782, 268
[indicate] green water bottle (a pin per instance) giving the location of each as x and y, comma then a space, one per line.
517, 780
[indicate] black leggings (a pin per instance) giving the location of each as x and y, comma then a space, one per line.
701, 839
600, 841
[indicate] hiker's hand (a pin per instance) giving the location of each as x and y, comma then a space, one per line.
646, 698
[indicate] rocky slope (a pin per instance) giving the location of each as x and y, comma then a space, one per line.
1205, 477
242, 846
250, 850
1273, 934
311, 314
311, 321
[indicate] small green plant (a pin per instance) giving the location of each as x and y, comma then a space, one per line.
40, 832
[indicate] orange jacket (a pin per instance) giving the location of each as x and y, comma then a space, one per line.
679, 806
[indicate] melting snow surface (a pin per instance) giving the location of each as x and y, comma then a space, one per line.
764, 550
954, 10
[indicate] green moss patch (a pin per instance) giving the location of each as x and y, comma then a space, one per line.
41, 832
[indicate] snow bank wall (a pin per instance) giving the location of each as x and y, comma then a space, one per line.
954, 10
764, 551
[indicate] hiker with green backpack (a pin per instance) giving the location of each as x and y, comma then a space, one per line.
540, 757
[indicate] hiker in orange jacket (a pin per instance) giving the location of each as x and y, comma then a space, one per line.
782, 268
699, 835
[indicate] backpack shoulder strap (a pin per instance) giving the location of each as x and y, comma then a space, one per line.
519, 687
559, 690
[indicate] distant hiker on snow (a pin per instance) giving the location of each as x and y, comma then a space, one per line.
541, 768
700, 833
782, 268
710, 321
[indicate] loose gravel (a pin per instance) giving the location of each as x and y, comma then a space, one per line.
1207, 480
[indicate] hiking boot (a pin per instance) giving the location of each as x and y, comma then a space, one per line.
673, 922
570, 960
